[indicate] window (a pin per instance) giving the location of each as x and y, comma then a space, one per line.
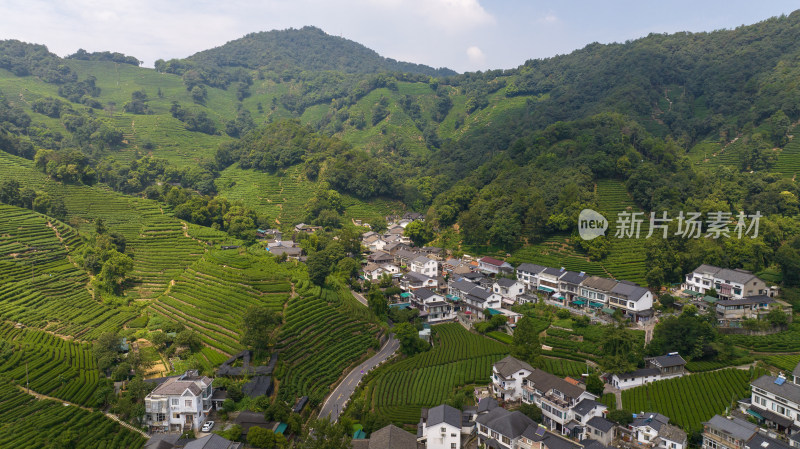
506, 440
188, 403
161, 417
175, 401
452, 445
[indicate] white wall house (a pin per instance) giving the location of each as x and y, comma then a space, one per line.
566, 407
441, 429
528, 274
494, 266
425, 266
652, 428
508, 289
432, 306
179, 403
775, 401
729, 284
507, 378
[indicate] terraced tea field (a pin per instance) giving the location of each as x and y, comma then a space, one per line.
397, 391
211, 295
324, 333
26, 422
41, 286
626, 260
52, 366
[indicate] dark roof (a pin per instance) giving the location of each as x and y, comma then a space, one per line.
796, 370
258, 386
530, 268
392, 437
300, 404
585, 406
544, 381
160, 444
652, 419
641, 372
666, 361
479, 294
423, 293
632, 292
735, 427
772, 416
593, 444
554, 271
510, 365
509, 424
672, 433
405, 254
212, 441
788, 390
219, 395
598, 283
573, 277
417, 277
473, 275
601, 424
506, 282
444, 414
463, 286
760, 441
759, 299
487, 404
166, 441
737, 275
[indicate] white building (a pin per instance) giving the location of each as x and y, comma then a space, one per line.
729, 284
775, 401
441, 428
657, 368
494, 266
179, 403
432, 306
508, 289
507, 378
528, 274
566, 407
654, 429
424, 266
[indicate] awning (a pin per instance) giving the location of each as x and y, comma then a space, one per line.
755, 413
281, 428
406, 295
559, 297
596, 305
546, 289
494, 312
453, 298
710, 299
579, 302
608, 310
693, 293
772, 416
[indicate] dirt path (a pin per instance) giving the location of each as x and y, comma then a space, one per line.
109, 415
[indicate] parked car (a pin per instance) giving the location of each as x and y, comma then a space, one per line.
207, 426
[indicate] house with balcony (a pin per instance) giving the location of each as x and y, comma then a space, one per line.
548, 280
721, 432
473, 298
656, 368
424, 266
528, 274
432, 306
563, 408
670, 365
181, 402
508, 376
775, 401
502, 429
569, 285
732, 312
729, 283
653, 430
636, 302
413, 281
594, 292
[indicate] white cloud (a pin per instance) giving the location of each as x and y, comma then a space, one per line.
476, 56
451, 16
549, 18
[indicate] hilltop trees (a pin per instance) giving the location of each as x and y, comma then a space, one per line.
258, 323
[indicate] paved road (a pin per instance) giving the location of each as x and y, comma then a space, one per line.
337, 400
360, 298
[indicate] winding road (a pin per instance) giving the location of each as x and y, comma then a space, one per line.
336, 401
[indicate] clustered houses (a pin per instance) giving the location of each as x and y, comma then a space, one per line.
179, 403
654, 429
775, 402
657, 368
733, 312
735, 433
572, 289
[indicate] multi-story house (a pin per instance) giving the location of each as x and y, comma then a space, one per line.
558, 400
500, 428
657, 368
425, 266
413, 281
636, 302
508, 377
548, 279
732, 312
473, 298
595, 291
600, 429
432, 306
653, 430
493, 266
775, 401
508, 289
569, 285
727, 433
179, 403
729, 284
528, 274
440, 428
670, 365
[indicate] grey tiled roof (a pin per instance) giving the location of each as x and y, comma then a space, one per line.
598, 283
509, 424
423, 293
510, 365
392, 437
652, 419
487, 404
632, 292
672, 433
760, 299
530, 268
585, 406
444, 414
760, 441
737, 275
506, 282
642, 372
554, 271
212, 441
666, 361
735, 427
796, 370
600, 423
544, 381
573, 277
788, 390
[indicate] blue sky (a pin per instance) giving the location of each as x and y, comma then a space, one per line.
464, 35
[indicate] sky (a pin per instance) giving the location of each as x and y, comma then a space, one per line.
464, 35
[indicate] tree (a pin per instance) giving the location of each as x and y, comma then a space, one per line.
322, 434
113, 275
410, 343
419, 232
525, 344
235, 392
377, 304
594, 385
687, 334
666, 300
619, 353
531, 411
261, 437
621, 417
232, 434
777, 317
258, 323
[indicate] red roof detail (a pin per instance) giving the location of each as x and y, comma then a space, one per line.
492, 261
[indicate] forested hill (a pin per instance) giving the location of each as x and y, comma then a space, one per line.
308, 48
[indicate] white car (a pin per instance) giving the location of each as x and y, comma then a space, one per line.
207, 426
